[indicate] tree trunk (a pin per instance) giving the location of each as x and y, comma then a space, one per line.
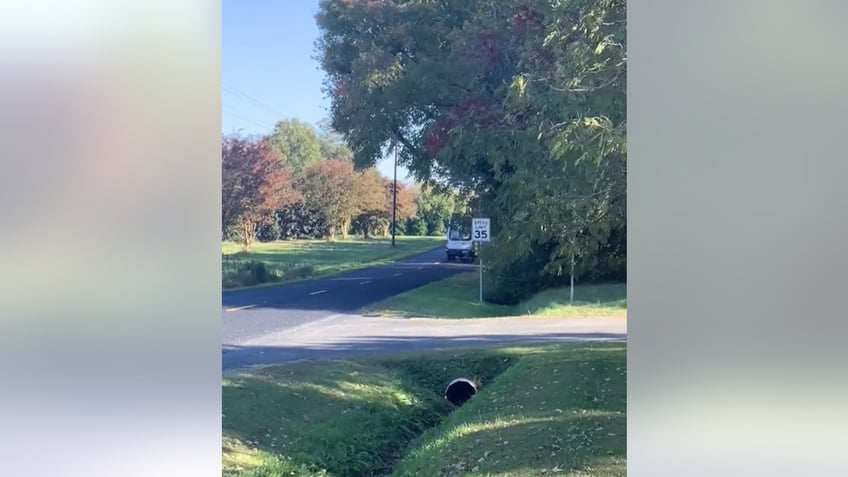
345, 227
367, 228
385, 231
331, 233
247, 235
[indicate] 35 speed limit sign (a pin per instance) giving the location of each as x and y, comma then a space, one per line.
480, 231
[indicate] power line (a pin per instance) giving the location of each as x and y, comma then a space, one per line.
236, 115
237, 93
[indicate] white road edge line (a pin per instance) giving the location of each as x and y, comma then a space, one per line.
318, 292
365, 282
240, 308
398, 274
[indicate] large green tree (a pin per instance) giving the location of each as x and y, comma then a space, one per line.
519, 104
436, 208
297, 142
331, 143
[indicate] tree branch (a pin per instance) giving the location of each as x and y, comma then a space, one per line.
407, 144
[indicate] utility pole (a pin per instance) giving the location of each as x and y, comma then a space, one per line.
394, 200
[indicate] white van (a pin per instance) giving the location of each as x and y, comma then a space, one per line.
459, 245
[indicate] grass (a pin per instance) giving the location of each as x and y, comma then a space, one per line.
288, 261
541, 409
558, 409
458, 297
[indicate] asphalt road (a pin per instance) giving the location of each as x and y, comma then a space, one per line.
254, 313
347, 336
320, 319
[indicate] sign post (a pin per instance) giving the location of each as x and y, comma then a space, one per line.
481, 233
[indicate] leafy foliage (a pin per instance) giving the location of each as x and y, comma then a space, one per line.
300, 220
254, 185
297, 142
519, 104
373, 201
331, 143
327, 188
436, 208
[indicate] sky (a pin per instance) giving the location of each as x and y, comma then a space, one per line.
268, 70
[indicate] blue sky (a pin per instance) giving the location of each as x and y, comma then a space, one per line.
268, 71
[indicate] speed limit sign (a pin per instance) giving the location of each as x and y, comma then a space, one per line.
480, 231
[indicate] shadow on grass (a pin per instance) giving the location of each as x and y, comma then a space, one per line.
595, 444
238, 357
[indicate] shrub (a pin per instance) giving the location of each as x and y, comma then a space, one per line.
301, 272
233, 234
245, 274
416, 227
611, 259
508, 281
270, 231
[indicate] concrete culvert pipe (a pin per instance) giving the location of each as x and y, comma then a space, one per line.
459, 391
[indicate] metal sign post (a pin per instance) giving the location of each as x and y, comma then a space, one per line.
481, 233
481, 275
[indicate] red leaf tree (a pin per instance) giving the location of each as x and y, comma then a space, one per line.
255, 184
329, 187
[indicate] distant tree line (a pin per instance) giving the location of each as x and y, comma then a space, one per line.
301, 183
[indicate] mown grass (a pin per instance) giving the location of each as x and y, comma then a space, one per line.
458, 297
286, 261
557, 411
560, 407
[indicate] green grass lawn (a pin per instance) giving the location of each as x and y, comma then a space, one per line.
458, 297
286, 261
544, 409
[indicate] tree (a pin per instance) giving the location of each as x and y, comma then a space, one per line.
372, 201
528, 119
579, 192
382, 221
297, 142
415, 226
406, 208
332, 144
254, 185
436, 208
300, 220
328, 187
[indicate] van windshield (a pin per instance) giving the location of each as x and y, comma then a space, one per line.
457, 234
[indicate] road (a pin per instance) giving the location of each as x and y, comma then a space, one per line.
320, 319
254, 313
